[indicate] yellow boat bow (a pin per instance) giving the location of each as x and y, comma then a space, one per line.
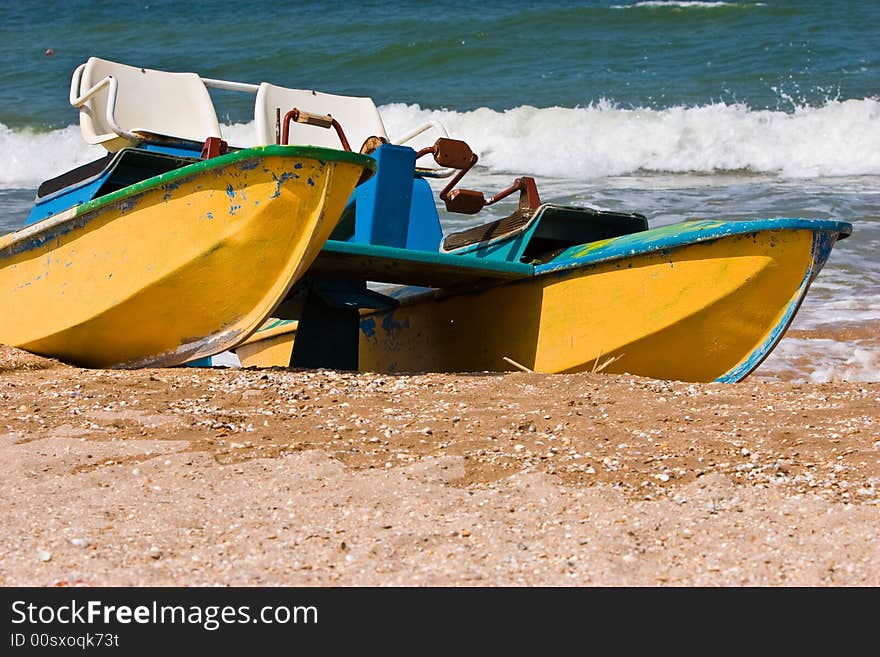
180, 266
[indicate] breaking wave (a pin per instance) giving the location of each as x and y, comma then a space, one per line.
685, 4
839, 138
29, 157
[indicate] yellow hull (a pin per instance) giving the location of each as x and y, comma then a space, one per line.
699, 312
178, 267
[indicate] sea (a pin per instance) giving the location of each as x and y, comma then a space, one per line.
675, 109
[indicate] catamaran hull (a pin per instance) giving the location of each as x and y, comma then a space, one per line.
701, 311
164, 271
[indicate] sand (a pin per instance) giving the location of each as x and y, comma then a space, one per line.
296, 477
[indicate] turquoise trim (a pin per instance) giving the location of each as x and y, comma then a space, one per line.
272, 322
507, 248
680, 234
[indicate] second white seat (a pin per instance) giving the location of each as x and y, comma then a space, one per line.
357, 115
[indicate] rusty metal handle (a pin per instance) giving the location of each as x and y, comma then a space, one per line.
528, 193
448, 195
456, 154
318, 120
307, 118
466, 201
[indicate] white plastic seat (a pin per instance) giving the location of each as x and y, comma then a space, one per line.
122, 105
358, 116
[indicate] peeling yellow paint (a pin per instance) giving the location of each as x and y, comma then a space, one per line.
170, 274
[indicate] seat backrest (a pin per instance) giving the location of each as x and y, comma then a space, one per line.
358, 116
175, 105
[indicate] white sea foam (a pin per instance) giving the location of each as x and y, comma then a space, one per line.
684, 4
30, 157
240, 134
857, 303
827, 360
839, 138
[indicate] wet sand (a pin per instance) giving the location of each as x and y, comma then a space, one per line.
284, 477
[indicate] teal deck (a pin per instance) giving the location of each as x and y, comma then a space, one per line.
388, 264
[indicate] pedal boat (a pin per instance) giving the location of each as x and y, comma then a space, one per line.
548, 289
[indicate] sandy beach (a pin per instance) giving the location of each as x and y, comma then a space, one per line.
285, 477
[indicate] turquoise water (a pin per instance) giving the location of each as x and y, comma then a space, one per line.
674, 109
